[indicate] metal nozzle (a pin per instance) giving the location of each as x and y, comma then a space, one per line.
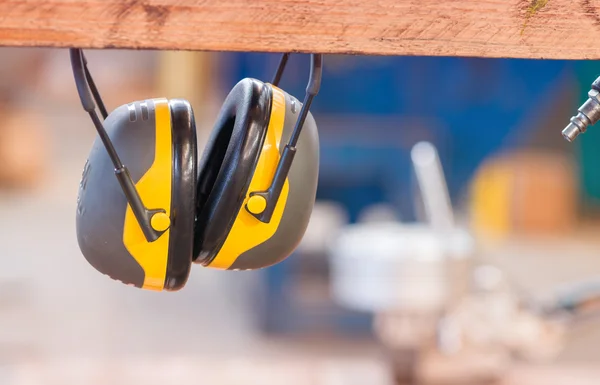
571, 132
588, 114
578, 125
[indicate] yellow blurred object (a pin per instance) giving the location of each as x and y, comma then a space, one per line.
186, 74
23, 148
525, 193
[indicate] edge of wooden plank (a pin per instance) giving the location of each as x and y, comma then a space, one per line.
540, 29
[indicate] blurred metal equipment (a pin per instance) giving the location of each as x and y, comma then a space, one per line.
413, 268
433, 186
588, 114
441, 316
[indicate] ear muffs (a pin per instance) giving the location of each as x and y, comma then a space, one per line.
255, 122
228, 162
145, 215
157, 140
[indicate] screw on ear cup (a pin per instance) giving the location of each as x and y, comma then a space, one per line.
228, 163
303, 179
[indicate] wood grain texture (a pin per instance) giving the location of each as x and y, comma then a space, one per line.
549, 29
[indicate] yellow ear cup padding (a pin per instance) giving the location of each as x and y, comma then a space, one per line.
155, 190
247, 231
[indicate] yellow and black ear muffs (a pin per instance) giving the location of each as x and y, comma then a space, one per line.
255, 194
236, 226
138, 232
247, 206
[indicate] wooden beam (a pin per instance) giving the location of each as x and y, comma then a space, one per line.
550, 29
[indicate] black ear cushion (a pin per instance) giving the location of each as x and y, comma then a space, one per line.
228, 164
183, 194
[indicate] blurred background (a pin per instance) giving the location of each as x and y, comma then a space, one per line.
488, 272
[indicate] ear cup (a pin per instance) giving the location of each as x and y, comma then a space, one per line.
303, 179
228, 163
101, 204
156, 140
